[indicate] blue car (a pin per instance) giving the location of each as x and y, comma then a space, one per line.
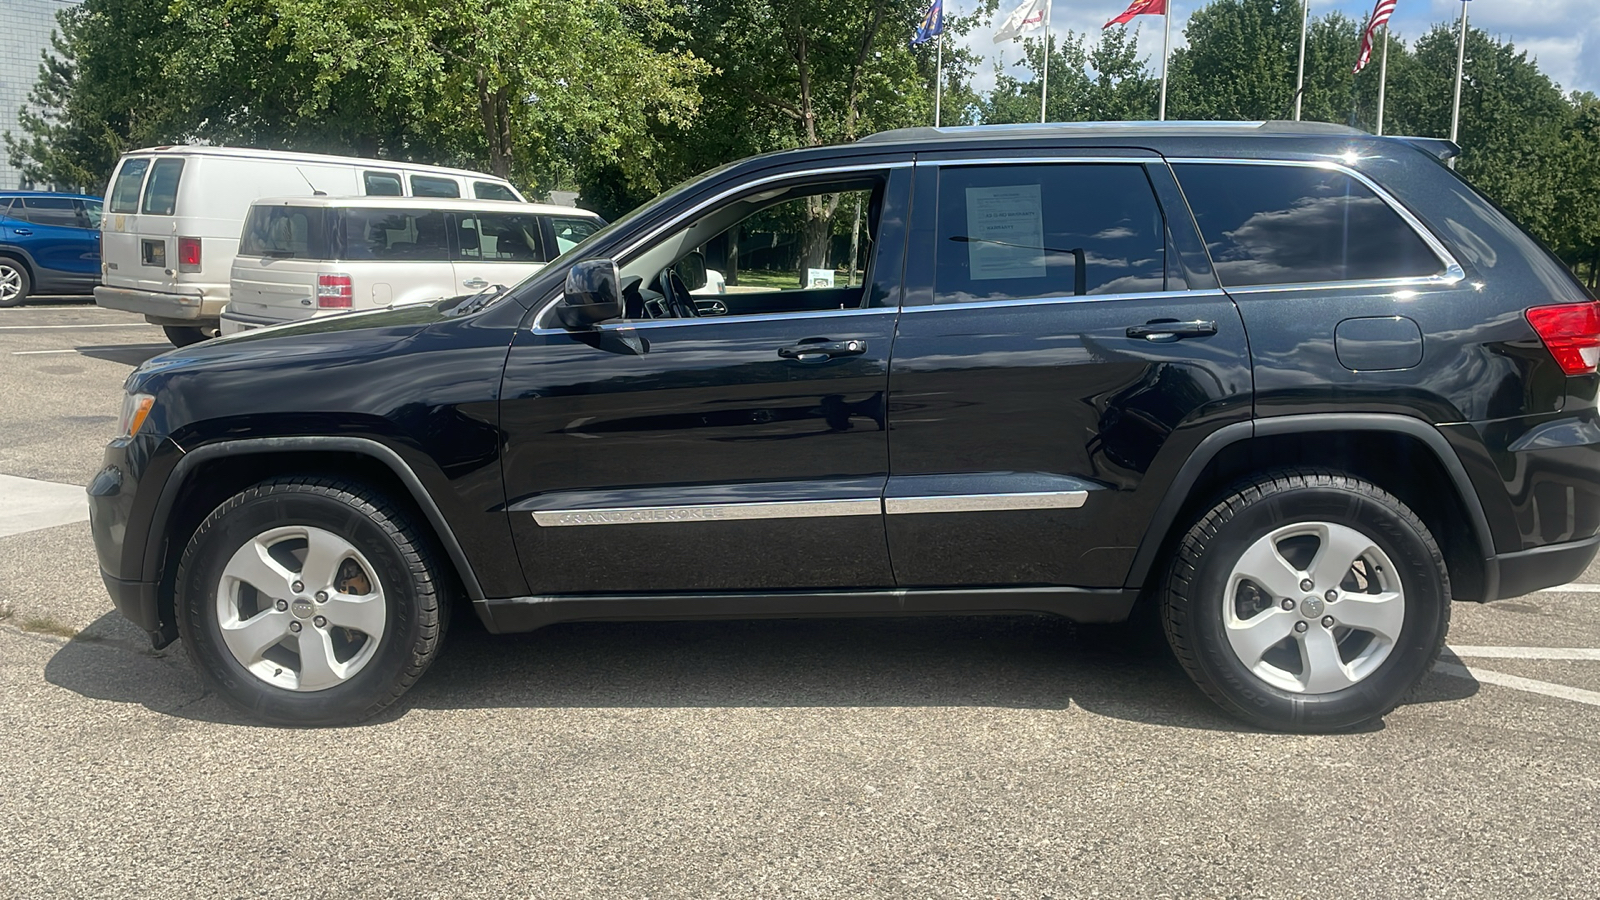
49, 243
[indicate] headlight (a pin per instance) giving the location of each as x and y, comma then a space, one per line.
135, 407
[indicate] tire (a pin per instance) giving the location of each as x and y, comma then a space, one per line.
1250, 554
373, 633
184, 335
15, 285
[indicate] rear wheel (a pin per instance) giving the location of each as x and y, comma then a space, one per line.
15, 285
184, 335
310, 601
1308, 601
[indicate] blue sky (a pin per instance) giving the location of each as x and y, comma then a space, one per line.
1564, 35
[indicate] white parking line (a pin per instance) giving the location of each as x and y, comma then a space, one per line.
1576, 587
106, 325
1526, 652
1516, 682
29, 505
37, 352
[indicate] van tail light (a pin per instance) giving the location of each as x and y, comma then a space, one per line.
1571, 331
334, 292
188, 254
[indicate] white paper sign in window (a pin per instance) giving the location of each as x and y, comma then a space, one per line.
1005, 232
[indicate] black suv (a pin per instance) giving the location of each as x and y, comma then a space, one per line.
1292, 388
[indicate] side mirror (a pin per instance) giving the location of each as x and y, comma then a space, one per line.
692, 269
592, 295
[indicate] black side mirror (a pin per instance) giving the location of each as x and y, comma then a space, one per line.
592, 295
692, 269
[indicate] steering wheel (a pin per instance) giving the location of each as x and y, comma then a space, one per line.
675, 295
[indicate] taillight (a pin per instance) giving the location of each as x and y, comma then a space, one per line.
334, 292
1571, 332
188, 254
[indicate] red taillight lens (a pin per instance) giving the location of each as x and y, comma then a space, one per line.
188, 254
1571, 331
334, 292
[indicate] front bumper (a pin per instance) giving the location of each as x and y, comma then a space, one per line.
191, 307
120, 518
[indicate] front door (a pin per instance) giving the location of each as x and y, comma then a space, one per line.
725, 447
1064, 343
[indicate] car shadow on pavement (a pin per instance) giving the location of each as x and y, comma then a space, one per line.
1017, 662
126, 354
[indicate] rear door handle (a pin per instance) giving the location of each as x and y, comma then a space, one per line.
822, 350
1167, 332
23, 231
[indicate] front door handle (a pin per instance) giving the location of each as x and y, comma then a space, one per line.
1159, 332
475, 283
822, 350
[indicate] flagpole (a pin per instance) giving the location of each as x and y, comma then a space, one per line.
1383, 75
938, 82
1166, 48
1300, 75
1461, 62
1044, 78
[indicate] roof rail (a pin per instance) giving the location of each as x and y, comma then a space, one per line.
1439, 148
1034, 129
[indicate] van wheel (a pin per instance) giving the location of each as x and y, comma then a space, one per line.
1308, 601
184, 335
310, 601
15, 285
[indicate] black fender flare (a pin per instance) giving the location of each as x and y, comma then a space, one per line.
372, 449
1189, 474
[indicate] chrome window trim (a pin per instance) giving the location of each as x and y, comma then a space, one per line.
709, 512
1452, 273
711, 320
1154, 157
955, 503
1064, 300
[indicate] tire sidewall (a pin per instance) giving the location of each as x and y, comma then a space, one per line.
352, 520
1422, 576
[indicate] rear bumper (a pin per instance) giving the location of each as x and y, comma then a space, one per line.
1542, 567
191, 308
233, 323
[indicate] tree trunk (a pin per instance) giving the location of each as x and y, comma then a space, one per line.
814, 239
731, 276
494, 106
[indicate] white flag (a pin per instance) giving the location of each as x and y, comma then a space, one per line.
1027, 17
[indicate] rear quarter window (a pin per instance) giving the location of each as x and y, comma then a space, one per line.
393, 234
1278, 224
427, 186
285, 232
382, 184
493, 190
125, 187
161, 193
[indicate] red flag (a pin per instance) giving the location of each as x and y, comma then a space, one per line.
1380, 18
1139, 8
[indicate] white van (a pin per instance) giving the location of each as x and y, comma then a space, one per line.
303, 257
173, 214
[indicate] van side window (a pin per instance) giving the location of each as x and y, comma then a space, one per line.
161, 194
490, 190
425, 186
125, 190
1276, 224
285, 232
383, 184
1042, 231
396, 234
506, 237
57, 211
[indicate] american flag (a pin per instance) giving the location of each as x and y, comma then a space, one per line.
1380, 18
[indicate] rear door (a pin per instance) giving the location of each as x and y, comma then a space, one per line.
154, 228
119, 239
1063, 345
281, 252
395, 256
497, 248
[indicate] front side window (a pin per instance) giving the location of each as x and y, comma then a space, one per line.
1278, 224
125, 189
161, 194
1012, 232
570, 232
285, 232
426, 186
501, 237
382, 184
493, 190
394, 234
57, 211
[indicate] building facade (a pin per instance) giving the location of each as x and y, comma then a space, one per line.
25, 28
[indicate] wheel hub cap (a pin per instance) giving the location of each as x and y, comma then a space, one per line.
1310, 607
303, 608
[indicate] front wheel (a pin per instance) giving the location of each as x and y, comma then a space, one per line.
310, 601
1308, 601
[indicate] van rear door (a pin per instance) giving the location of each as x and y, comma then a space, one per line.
119, 240
155, 263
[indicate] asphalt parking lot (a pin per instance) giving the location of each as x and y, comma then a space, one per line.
962, 758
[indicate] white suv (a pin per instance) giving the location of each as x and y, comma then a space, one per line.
304, 257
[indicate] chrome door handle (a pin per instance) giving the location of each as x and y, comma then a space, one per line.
475, 283
820, 351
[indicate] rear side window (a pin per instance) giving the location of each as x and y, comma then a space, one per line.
1033, 231
1267, 224
570, 232
426, 186
394, 234
285, 232
503, 237
90, 213
492, 190
161, 194
125, 190
48, 211
383, 184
